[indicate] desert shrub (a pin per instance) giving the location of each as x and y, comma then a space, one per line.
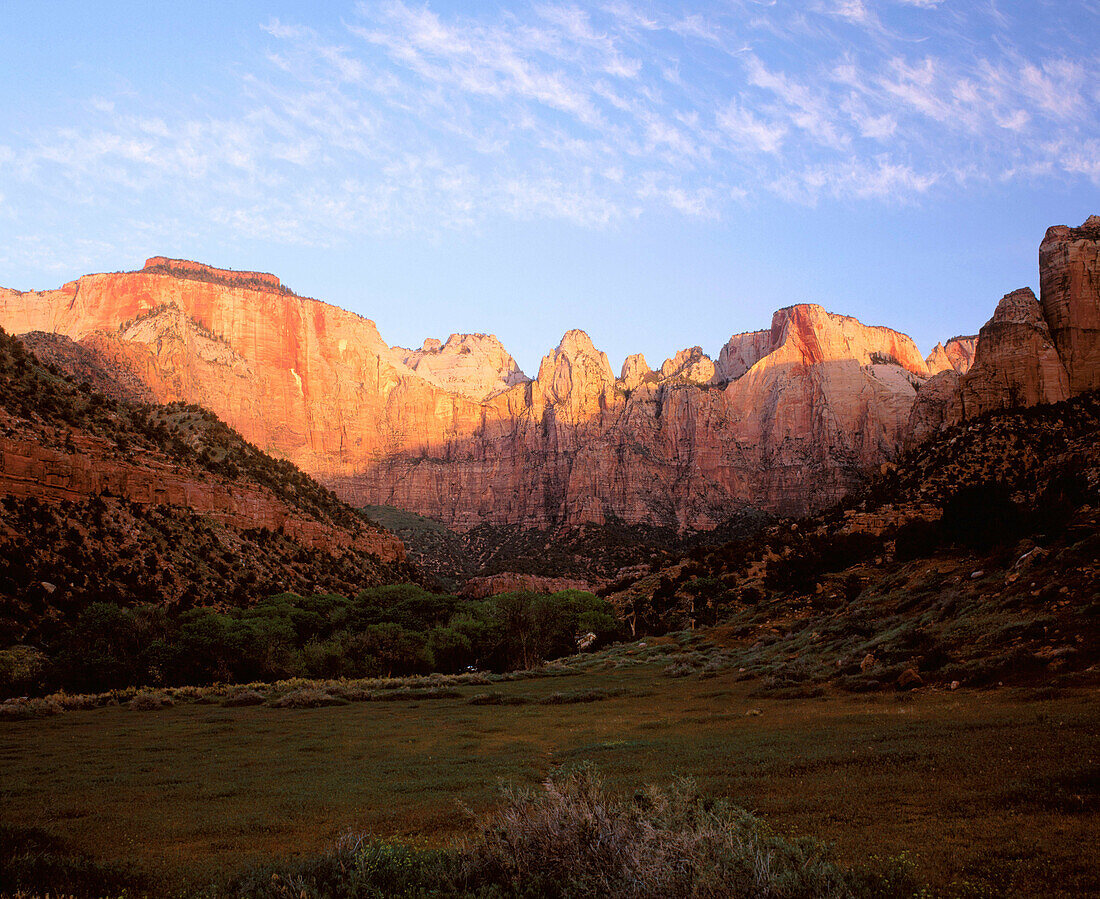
21, 669
151, 701
802, 569
356, 869
307, 698
22, 709
680, 668
917, 539
498, 699
573, 837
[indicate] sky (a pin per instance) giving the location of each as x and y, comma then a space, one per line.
661, 175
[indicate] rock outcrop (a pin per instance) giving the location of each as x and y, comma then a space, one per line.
473, 365
635, 371
1069, 279
92, 466
787, 419
1030, 351
742, 352
1017, 363
956, 355
826, 398
690, 365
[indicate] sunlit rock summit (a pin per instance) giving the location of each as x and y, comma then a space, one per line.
787, 419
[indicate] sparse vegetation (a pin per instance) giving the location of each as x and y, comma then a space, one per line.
201, 791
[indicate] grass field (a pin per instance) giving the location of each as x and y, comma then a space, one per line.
989, 792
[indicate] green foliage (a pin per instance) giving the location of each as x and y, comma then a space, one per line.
32, 860
383, 631
21, 670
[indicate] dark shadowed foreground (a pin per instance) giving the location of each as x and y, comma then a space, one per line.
987, 792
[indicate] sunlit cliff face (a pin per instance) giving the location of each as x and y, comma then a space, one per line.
786, 419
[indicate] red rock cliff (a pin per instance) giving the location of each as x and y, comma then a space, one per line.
786, 421
1030, 351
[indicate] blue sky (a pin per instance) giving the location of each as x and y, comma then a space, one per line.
659, 174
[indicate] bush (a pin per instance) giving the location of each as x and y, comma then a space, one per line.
307, 698
980, 517
151, 701
573, 837
21, 669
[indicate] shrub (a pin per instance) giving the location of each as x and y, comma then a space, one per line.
573, 837
307, 698
981, 516
21, 709
21, 668
151, 701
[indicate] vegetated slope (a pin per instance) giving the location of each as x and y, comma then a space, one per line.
976, 559
595, 554
85, 365
109, 500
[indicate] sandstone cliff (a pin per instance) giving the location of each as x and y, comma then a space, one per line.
105, 498
473, 365
956, 355
786, 420
1030, 351
1069, 278
1016, 362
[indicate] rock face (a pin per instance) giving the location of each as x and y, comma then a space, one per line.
92, 466
473, 365
691, 365
786, 420
1016, 363
1069, 266
956, 355
635, 371
1030, 351
742, 352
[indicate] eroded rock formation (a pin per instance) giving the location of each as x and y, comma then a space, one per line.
473, 365
1069, 279
786, 420
1030, 351
956, 355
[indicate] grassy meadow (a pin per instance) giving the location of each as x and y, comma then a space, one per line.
987, 792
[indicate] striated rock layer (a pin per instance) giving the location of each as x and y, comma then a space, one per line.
786, 420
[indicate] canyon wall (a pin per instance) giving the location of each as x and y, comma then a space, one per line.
787, 419
1032, 350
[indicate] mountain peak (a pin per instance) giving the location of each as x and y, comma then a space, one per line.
199, 271
473, 365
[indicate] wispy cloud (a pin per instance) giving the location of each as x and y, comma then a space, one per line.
406, 119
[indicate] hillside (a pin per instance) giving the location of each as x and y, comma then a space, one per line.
975, 559
108, 500
495, 558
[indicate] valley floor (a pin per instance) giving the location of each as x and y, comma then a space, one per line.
989, 792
